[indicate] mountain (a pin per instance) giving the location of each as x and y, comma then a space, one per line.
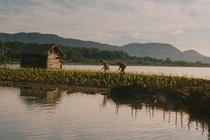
51, 38
154, 50
193, 55
163, 51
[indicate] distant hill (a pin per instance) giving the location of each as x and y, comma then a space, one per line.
163, 51
154, 50
190, 55
51, 38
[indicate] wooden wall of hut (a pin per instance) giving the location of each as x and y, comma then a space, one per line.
53, 61
33, 61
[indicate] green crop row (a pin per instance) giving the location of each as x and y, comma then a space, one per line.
98, 78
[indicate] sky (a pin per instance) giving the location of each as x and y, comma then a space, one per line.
185, 24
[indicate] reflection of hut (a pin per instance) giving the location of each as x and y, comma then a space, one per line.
41, 56
32, 96
52, 97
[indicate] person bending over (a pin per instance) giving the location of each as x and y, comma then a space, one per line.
122, 66
105, 65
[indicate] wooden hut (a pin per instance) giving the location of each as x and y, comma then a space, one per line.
41, 56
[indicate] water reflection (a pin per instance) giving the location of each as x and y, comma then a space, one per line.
32, 96
39, 114
169, 115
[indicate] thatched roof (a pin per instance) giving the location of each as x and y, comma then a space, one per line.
40, 49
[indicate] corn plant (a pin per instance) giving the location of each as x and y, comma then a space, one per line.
100, 79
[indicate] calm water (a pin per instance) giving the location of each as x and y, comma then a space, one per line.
41, 115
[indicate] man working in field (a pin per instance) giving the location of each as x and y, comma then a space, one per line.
122, 66
105, 65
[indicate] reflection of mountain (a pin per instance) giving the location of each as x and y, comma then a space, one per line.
32, 96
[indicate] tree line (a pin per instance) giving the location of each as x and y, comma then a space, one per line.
10, 52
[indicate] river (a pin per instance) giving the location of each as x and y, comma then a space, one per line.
43, 115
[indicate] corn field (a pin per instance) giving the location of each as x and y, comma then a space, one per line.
100, 79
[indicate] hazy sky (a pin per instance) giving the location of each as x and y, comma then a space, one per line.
182, 23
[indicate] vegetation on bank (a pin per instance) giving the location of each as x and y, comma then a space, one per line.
99, 78
10, 52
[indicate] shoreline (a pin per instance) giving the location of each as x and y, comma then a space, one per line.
51, 87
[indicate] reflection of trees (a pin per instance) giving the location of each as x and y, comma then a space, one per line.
200, 123
171, 115
134, 104
34, 96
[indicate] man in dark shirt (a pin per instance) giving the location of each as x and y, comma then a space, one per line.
122, 66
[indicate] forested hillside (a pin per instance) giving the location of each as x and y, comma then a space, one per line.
154, 50
11, 52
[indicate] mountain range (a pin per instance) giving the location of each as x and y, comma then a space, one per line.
154, 50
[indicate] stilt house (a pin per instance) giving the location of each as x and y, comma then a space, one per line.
41, 56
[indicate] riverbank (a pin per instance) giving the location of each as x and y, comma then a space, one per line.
52, 87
